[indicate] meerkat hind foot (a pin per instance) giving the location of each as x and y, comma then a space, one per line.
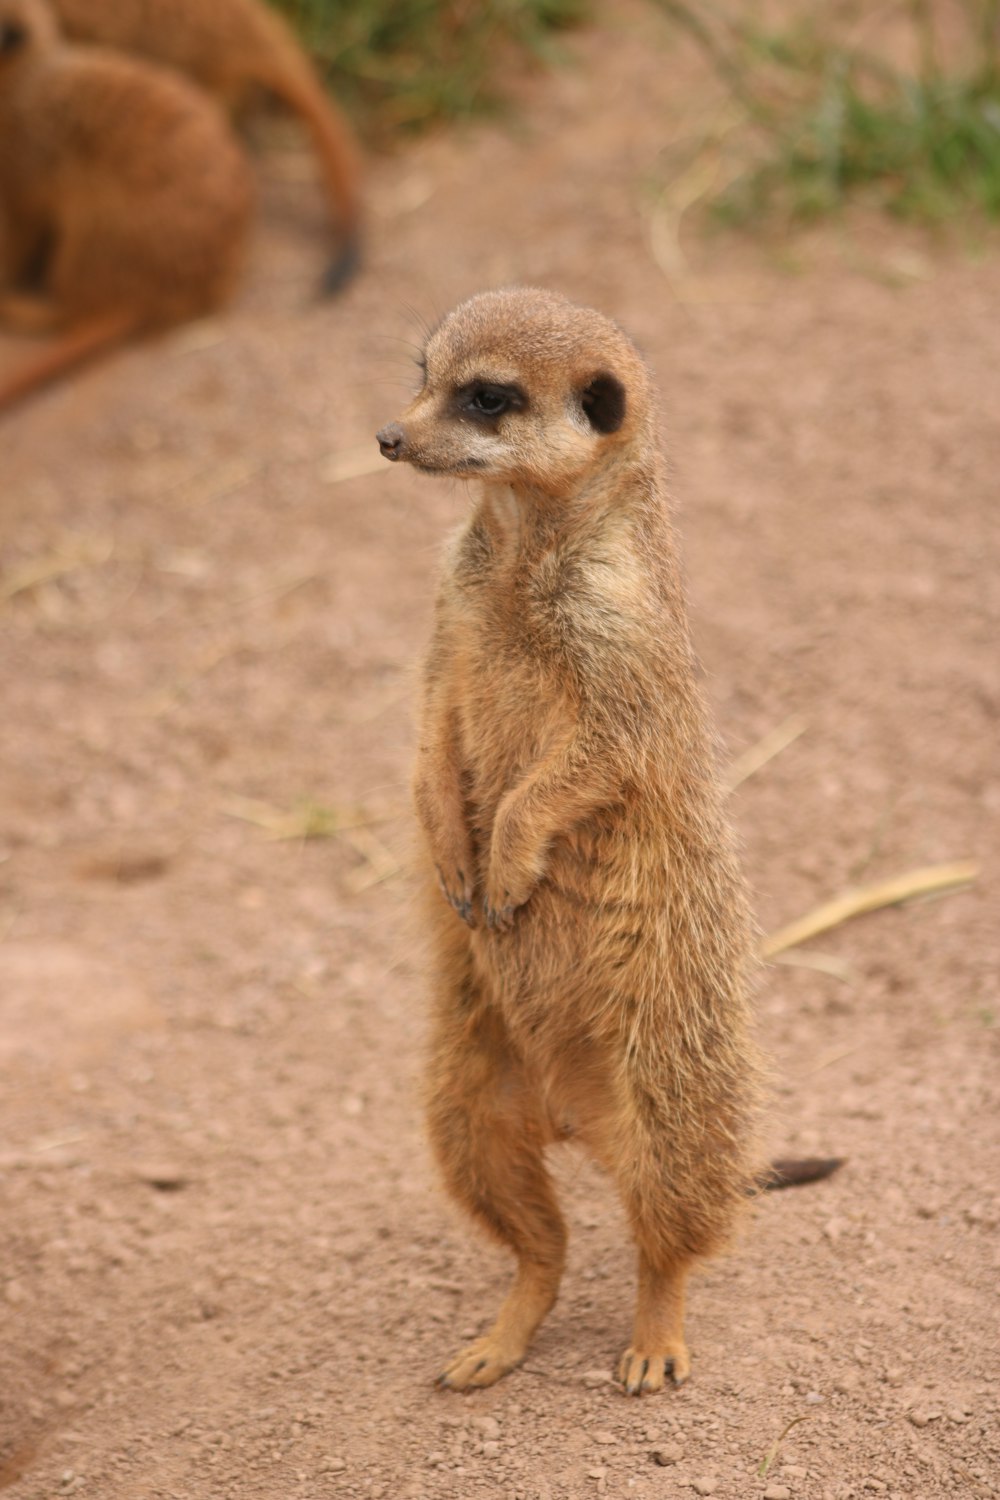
481, 1363
641, 1372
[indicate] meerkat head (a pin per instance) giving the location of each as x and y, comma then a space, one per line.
24, 26
523, 387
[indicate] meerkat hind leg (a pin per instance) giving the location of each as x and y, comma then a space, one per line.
490, 1137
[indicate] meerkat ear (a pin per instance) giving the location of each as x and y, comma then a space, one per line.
603, 402
12, 36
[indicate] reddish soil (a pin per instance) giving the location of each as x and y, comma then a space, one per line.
226, 1269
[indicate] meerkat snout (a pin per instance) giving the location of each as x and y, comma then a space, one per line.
391, 440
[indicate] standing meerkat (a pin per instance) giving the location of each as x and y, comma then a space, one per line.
125, 199
236, 50
592, 955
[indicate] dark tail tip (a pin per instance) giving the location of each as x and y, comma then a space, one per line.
340, 272
784, 1174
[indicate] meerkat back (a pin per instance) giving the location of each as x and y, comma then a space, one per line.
126, 196
237, 49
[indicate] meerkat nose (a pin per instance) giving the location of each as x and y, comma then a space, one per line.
390, 441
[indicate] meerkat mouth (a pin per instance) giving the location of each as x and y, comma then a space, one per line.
466, 469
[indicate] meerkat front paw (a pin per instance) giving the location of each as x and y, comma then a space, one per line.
457, 891
504, 895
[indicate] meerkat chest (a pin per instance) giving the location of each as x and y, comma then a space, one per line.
514, 684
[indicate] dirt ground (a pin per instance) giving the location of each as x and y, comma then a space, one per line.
226, 1269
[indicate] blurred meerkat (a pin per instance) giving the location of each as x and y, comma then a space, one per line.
124, 197
592, 956
237, 49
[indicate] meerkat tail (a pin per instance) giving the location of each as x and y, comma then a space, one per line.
298, 87
784, 1174
64, 354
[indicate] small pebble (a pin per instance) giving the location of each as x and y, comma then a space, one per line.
487, 1427
794, 1471
604, 1437
491, 1448
167, 1176
594, 1378
777, 1492
671, 1454
706, 1486
918, 1418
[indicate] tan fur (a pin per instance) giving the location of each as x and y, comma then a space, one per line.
565, 783
121, 187
235, 49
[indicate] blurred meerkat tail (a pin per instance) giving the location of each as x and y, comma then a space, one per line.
785, 1174
296, 84
64, 353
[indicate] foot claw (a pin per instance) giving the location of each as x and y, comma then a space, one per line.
640, 1374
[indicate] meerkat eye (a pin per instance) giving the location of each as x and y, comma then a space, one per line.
487, 402
490, 403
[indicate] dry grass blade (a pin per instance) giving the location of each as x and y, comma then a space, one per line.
354, 463
307, 820
75, 555
380, 864
772, 1452
766, 749
923, 882
823, 963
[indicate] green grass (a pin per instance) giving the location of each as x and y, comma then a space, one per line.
405, 64
832, 121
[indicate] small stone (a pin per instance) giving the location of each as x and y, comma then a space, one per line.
165, 1176
706, 1486
597, 1473
918, 1418
64, 1399
434, 1459
604, 1437
777, 1492
491, 1448
487, 1427
672, 1453
794, 1471
334, 1465
594, 1378
847, 1382
814, 1398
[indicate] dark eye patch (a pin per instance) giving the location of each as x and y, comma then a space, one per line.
603, 402
486, 402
